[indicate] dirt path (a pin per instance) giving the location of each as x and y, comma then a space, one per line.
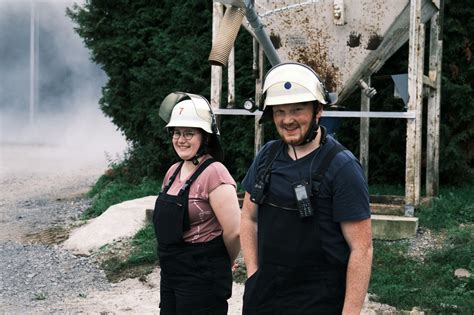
32, 176
131, 297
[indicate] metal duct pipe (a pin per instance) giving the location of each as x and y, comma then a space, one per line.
226, 36
260, 34
230, 27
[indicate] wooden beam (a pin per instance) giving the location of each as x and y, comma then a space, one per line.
434, 106
258, 64
231, 79
415, 103
364, 131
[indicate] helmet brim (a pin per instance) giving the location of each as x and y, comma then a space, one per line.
281, 97
266, 115
276, 100
190, 124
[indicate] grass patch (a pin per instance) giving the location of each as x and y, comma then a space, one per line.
117, 270
144, 246
117, 185
40, 296
404, 282
134, 259
107, 192
451, 208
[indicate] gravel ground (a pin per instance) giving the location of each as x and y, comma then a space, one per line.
32, 276
41, 195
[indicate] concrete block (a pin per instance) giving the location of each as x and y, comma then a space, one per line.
389, 227
387, 209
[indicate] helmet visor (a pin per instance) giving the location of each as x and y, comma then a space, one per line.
167, 105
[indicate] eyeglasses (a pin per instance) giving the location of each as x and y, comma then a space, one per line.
187, 135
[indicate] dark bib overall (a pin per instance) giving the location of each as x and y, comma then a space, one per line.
294, 276
196, 278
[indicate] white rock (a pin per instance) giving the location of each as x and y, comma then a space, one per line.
122, 220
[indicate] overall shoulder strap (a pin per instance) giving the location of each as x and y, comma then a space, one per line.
318, 175
172, 177
195, 175
270, 157
257, 195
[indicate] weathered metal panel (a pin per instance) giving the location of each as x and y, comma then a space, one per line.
306, 31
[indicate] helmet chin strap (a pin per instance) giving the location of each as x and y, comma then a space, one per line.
312, 131
195, 158
201, 151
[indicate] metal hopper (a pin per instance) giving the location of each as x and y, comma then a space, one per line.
342, 40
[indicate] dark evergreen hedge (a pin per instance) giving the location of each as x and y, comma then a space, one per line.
151, 48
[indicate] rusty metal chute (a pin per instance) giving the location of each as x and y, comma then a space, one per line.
344, 41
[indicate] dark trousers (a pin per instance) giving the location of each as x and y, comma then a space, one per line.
195, 279
290, 290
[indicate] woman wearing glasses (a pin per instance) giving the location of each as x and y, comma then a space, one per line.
197, 215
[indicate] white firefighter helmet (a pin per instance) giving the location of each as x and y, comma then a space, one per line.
180, 109
290, 83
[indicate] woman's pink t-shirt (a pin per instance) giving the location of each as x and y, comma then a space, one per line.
204, 224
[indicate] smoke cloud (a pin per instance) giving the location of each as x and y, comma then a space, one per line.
65, 116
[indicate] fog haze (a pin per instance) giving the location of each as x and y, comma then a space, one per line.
66, 120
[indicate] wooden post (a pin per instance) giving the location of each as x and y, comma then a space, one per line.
216, 71
231, 79
434, 101
258, 62
415, 104
364, 131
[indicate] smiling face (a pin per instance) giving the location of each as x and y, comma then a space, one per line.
186, 141
293, 121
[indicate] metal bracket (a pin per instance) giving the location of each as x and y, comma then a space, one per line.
409, 210
368, 91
